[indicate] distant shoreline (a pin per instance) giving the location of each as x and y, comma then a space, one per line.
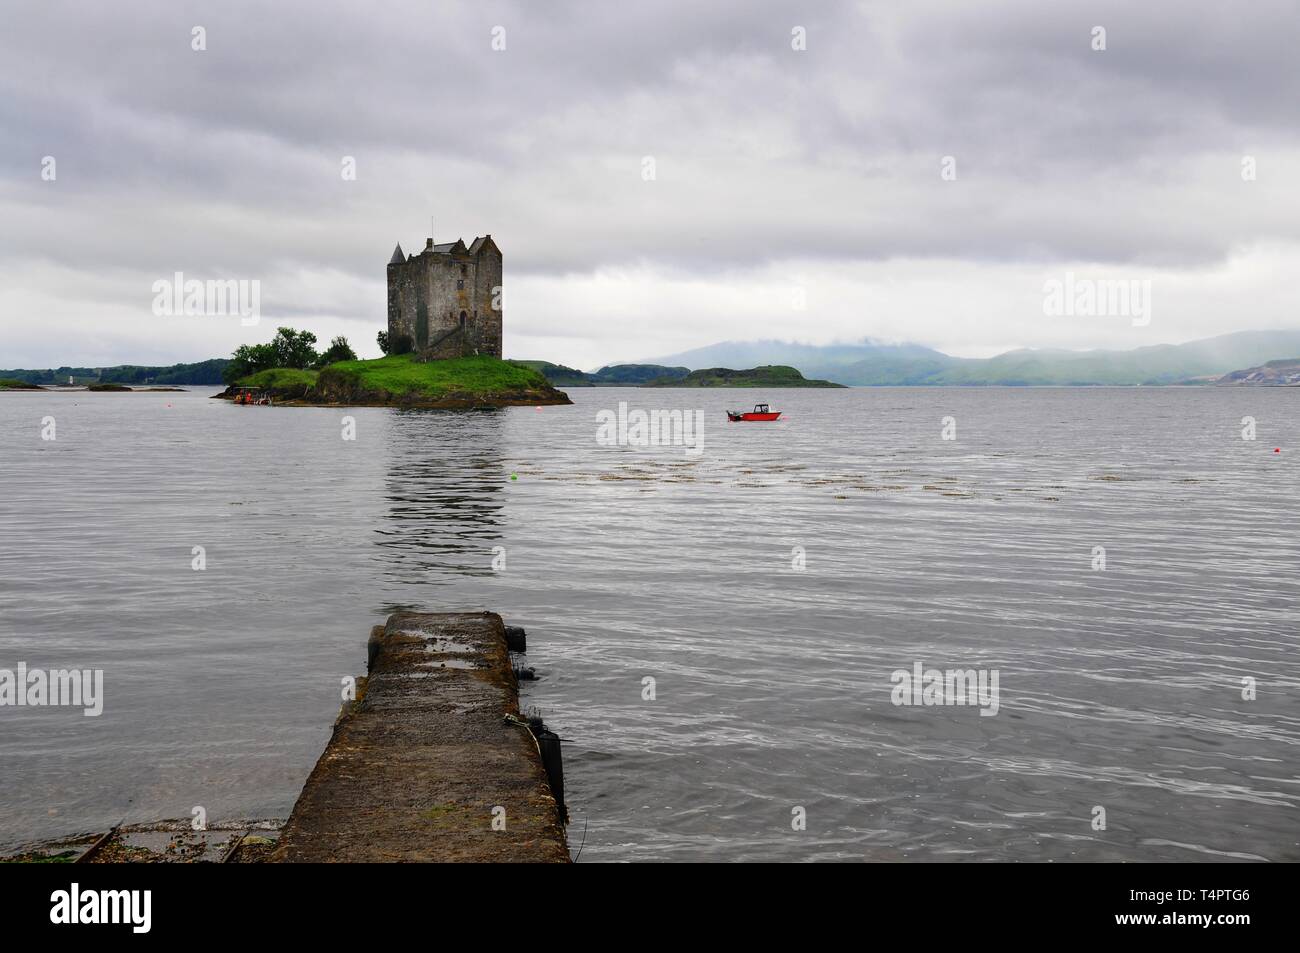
92, 389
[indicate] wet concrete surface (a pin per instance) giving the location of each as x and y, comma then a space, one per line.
429, 756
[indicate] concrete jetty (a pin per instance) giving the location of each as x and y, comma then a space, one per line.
432, 762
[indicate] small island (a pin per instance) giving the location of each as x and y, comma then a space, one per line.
660, 375
442, 346
402, 380
767, 376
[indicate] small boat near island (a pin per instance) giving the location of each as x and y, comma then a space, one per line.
252, 396
760, 412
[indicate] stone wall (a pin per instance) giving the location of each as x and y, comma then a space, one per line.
435, 293
486, 335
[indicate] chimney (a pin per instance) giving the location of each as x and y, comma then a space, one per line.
428, 244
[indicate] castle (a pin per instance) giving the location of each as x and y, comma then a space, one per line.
447, 299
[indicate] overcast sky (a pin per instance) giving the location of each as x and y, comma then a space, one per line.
778, 172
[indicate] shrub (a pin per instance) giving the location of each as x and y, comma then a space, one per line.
339, 350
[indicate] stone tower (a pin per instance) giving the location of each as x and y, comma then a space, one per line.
447, 299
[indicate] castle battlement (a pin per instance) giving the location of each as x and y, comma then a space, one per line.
447, 298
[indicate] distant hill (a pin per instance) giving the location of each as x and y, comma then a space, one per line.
558, 375
1282, 373
810, 359
633, 374
200, 374
870, 363
767, 376
866, 363
614, 375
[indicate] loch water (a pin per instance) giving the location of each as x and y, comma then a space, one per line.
716, 632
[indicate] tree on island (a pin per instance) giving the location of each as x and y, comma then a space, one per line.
249, 359
289, 348
294, 348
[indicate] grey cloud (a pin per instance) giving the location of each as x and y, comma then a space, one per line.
227, 161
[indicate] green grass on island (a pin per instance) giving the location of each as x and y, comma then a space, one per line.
281, 378
402, 374
400, 378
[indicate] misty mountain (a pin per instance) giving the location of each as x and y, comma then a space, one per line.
757, 353
869, 363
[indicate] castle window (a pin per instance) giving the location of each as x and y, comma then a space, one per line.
460, 284
464, 269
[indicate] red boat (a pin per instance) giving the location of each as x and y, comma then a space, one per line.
760, 412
